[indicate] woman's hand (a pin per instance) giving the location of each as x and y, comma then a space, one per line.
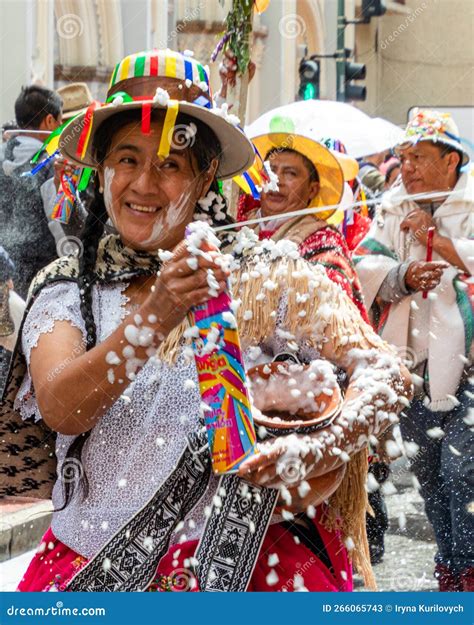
185, 281
263, 469
278, 466
311, 492
290, 388
282, 461
93, 380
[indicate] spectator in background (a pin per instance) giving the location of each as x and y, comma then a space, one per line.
434, 332
11, 314
6, 128
25, 233
391, 169
370, 174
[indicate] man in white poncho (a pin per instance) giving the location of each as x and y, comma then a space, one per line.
421, 301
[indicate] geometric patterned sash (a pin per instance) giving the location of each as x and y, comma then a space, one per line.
229, 547
129, 560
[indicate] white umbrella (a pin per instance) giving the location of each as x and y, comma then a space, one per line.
385, 134
325, 119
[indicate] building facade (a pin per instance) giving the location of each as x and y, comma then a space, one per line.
419, 52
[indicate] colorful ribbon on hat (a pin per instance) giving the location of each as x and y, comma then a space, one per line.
172, 111
254, 177
65, 198
84, 137
168, 127
51, 144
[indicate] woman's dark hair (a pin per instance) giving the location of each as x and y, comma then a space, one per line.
204, 148
313, 172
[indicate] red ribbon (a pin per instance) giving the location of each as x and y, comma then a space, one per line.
87, 124
146, 117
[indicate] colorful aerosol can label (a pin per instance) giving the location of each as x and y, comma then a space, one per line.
223, 384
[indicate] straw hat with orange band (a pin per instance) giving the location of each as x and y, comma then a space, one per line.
334, 168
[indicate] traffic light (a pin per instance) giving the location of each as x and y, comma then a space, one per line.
372, 8
309, 72
354, 71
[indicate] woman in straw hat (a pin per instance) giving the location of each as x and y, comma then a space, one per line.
110, 380
309, 175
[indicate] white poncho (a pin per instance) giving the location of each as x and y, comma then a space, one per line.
439, 328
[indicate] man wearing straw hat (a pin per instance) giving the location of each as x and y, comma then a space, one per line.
416, 266
310, 175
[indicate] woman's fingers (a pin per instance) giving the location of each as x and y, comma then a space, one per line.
185, 264
266, 458
196, 297
199, 279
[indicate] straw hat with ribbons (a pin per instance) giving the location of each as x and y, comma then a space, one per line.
166, 80
334, 168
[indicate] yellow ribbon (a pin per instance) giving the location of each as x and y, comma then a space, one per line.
168, 127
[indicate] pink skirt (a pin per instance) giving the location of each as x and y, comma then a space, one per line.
284, 565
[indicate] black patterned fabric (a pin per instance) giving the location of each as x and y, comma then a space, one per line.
128, 562
27, 449
229, 547
233, 535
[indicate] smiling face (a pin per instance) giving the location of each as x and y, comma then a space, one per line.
150, 201
296, 189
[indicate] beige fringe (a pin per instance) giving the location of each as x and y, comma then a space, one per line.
347, 512
327, 312
169, 350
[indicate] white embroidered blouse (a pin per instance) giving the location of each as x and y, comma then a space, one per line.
134, 446
137, 443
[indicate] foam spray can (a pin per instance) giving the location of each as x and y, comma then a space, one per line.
222, 379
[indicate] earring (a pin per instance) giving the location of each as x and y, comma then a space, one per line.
101, 189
